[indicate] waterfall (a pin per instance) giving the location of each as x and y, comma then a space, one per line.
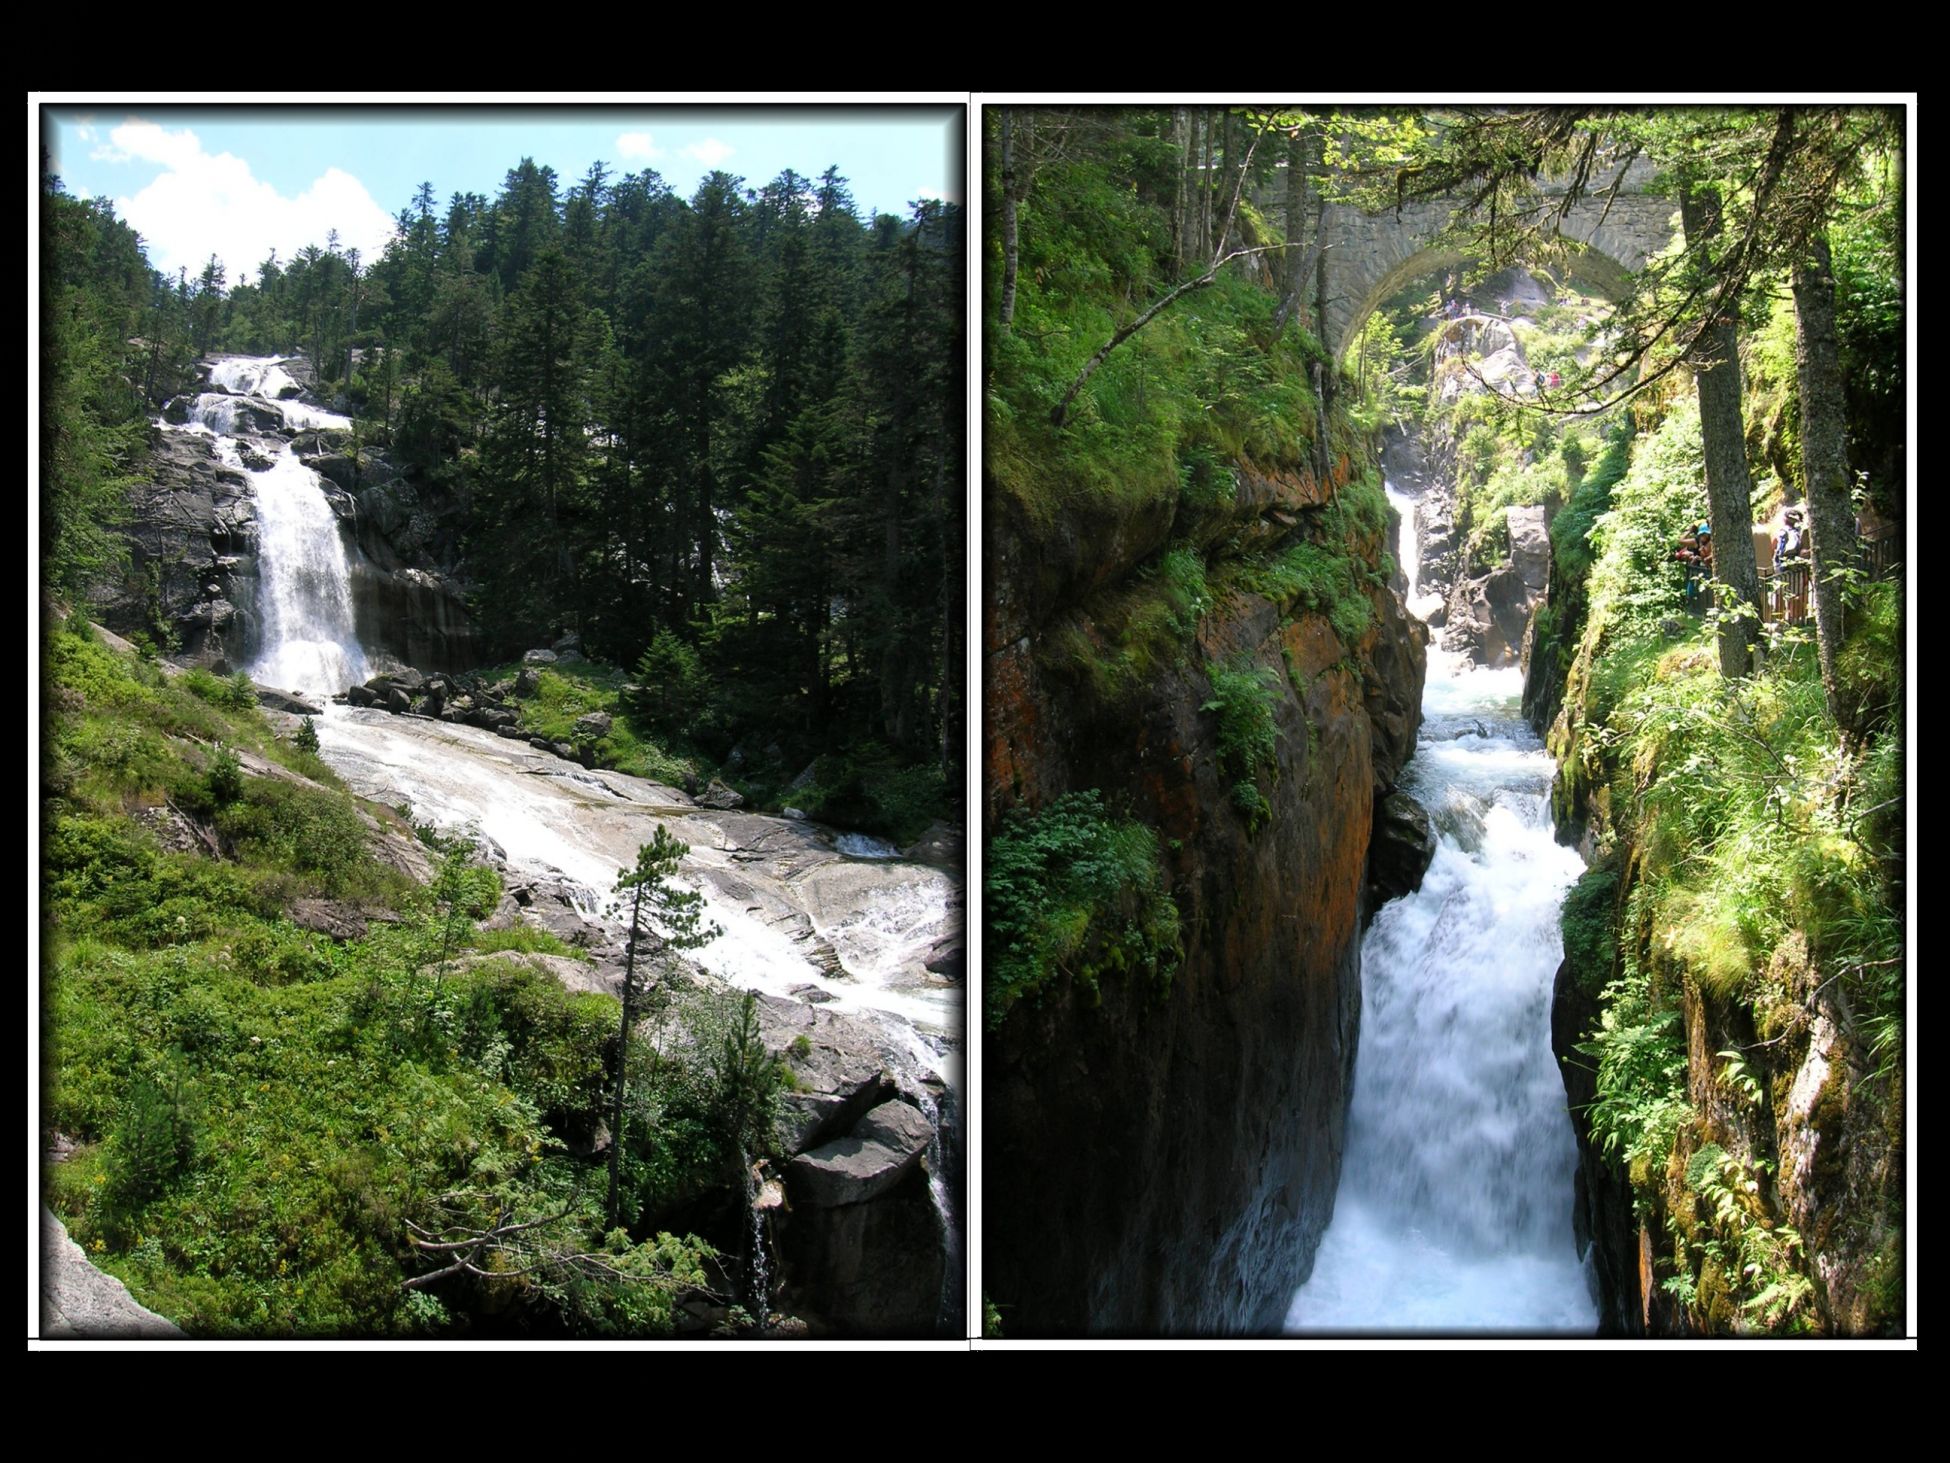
305, 597
758, 1277
307, 641
1454, 1208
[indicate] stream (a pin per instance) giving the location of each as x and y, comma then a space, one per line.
1454, 1208
807, 914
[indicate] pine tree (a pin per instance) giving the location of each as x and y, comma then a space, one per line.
664, 918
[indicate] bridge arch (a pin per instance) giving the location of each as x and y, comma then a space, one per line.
1368, 257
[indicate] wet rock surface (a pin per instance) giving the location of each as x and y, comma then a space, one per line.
1170, 1161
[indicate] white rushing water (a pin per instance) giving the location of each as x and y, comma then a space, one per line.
555, 819
306, 641
1454, 1207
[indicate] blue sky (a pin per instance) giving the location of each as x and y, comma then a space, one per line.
239, 181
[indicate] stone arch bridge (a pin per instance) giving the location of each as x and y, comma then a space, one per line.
1370, 256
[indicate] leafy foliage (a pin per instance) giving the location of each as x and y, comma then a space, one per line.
279, 1132
1244, 695
1073, 892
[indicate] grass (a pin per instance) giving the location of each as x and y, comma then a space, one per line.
262, 1113
566, 692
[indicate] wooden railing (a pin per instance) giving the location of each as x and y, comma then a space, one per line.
1784, 592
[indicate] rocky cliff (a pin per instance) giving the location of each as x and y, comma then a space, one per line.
1778, 1203
193, 538
1169, 1165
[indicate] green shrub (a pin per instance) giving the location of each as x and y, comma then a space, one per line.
1073, 891
223, 783
1590, 943
1243, 695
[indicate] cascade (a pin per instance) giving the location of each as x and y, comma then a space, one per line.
1455, 1201
306, 638
879, 916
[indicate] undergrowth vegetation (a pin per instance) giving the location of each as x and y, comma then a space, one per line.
275, 1131
1755, 843
1074, 892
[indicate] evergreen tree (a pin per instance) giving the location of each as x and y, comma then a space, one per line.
664, 919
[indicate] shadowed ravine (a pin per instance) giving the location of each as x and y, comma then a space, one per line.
1454, 1207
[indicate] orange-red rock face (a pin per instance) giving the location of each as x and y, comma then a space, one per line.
1168, 1166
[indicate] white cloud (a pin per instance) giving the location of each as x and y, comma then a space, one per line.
934, 192
638, 144
203, 205
710, 152
85, 133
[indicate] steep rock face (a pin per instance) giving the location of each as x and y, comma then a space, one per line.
192, 554
1489, 615
1805, 1109
861, 1239
1169, 1166
194, 543
408, 604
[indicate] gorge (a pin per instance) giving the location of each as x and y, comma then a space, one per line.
1580, 1075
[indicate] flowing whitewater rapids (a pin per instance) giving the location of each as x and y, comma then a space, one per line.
806, 914
1454, 1208
306, 638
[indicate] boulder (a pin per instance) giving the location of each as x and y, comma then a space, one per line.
570, 644
592, 727
1530, 546
327, 917
317, 441
79, 1300
406, 678
717, 795
398, 701
361, 695
941, 846
286, 701
867, 1162
336, 467
1402, 848
539, 657
527, 683
174, 832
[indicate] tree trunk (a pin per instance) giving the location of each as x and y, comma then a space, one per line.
1296, 228
1008, 310
1824, 457
1181, 143
1716, 369
1205, 189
